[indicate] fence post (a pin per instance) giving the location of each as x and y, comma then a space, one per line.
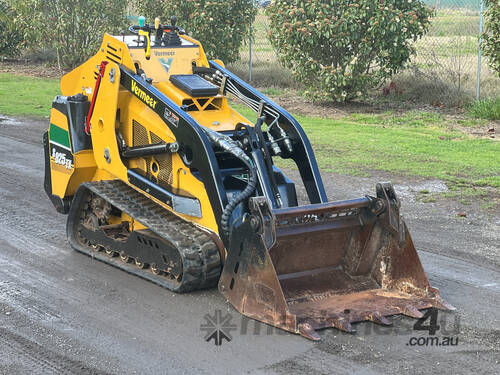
250, 56
478, 83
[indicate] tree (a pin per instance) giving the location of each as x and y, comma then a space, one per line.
11, 37
74, 29
491, 35
342, 48
220, 25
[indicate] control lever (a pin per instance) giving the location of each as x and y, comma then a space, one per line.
147, 47
159, 32
171, 38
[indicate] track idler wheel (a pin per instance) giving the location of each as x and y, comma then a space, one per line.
155, 270
125, 258
140, 264
110, 253
96, 248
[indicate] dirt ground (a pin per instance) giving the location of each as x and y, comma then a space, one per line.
30, 69
64, 313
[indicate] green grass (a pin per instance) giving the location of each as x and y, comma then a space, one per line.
454, 23
272, 91
26, 96
415, 144
410, 118
448, 46
486, 109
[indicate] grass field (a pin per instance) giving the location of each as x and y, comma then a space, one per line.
415, 143
26, 96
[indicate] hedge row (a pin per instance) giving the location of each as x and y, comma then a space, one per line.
338, 48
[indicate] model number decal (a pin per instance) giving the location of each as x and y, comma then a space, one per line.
171, 117
60, 158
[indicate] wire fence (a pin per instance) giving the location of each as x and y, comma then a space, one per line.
447, 68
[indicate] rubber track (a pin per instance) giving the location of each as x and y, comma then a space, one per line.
201, 263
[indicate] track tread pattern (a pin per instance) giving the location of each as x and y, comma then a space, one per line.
200, 255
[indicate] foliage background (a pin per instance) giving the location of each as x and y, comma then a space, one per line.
491, 35
444, 70
74, 29
10, 38
341, 48
220, 25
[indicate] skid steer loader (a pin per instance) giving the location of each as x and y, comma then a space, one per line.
162, 178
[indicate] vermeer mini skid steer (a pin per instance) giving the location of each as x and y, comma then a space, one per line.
160, 177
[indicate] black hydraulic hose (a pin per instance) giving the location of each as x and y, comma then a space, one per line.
267, 159
227, 144
247, 192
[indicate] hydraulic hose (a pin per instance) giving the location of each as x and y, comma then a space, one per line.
248, 191
267, 159
227, 144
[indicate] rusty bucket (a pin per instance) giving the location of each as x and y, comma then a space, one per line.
326, 265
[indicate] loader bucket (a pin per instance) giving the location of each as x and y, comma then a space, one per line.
326, 265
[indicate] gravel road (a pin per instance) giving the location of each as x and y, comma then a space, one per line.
64, 313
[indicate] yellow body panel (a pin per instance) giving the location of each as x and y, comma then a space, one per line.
104, 162
82, 79
85, 169
60, 173
103, 125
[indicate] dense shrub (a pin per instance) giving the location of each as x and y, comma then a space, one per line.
342, 48
491, 35
10, 37
73, 28
220, 25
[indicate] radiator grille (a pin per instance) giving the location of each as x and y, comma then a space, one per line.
139, 134
165, 163
140, 138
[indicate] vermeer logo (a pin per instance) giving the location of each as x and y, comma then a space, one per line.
168, 53
166, 63
141, 94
